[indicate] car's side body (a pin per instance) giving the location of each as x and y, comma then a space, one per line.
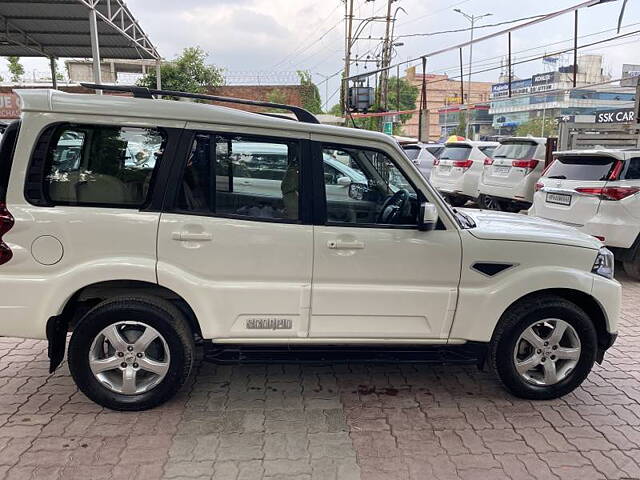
424, 156
270, 280
458, 170
510, 176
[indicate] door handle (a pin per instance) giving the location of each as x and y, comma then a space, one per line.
191, 237
342, 245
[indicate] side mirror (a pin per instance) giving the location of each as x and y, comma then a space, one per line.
428, 217
343, 181
357, 191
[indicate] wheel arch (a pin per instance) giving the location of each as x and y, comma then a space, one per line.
586, 302
89, 296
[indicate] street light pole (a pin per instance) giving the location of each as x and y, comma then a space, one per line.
472, 19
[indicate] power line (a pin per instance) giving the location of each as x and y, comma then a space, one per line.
431, 14
467, 29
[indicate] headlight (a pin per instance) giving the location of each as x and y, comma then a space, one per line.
603, 265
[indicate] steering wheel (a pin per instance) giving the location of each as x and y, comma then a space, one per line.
393, 207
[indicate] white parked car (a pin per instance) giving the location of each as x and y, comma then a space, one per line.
457, 172
598, 192
508, 179
142, 263
423, 155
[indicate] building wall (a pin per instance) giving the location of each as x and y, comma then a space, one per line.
441, 92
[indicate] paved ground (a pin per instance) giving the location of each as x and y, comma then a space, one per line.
334, 422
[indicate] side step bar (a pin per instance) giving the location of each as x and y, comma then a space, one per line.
468, 354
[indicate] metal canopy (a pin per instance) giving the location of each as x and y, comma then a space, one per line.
62, 28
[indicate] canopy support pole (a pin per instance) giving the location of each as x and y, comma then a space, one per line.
54, 79
95, 48
158, 75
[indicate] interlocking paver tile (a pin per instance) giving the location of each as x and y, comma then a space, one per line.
327, 422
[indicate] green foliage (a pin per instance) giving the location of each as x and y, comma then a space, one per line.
310, 94
58, 73
277, 96
535, 128
336, 110
187, 73
461, 129
15, 68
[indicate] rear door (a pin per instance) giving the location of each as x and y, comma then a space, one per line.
452, 160
564, 196
512, 160
239, 253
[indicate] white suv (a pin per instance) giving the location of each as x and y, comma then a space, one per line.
424, 156
596, 191
457, 172
509, 178
143, 260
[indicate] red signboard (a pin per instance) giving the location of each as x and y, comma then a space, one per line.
9, 105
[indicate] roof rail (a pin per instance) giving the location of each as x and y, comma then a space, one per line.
301, 114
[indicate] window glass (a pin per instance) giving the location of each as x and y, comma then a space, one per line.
234, 175
516, 150
488, 151
581, 167
411, 152
102, 165
379, 194
456, 152
435, 151
633, 169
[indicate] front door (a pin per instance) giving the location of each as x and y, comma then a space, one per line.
233, 242
375, 275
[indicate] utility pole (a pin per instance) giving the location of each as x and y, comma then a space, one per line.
348, 23
472, 19
386, 58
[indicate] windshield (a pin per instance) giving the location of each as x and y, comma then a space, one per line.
516, 150
456, 152
581, 167
411, 152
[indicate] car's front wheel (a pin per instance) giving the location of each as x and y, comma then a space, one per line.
131, 353
543, 348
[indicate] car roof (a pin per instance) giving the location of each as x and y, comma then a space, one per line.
538, 140
48, 100
471, 143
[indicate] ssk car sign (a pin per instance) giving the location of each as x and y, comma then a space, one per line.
623, 115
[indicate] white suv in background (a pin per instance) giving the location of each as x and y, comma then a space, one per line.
457, 172
145, 261
424, 155
508, 179
598, 192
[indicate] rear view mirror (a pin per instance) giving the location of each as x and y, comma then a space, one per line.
428, 217
343, 181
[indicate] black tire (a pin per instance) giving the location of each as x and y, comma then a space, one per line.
520, 317
632, 268
154, 312
456, 201
489, 203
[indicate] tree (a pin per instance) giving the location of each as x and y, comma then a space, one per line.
15, 68
461, 129
309, 91
537, 128
187, 73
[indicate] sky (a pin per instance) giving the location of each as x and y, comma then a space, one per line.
273, 37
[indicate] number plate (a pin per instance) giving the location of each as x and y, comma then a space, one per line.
444, 169
500, 171
559, 198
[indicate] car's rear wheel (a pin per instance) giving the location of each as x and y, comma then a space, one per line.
543, 348
131, 353
489, 203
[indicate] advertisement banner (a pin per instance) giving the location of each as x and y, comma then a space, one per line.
621, 115
518, 87
9, 106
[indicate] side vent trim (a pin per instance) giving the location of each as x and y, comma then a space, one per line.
491, 268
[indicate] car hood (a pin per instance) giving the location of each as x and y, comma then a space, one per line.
492, 225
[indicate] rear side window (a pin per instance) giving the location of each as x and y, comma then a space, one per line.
516, 150
435, 151
583, 167
7, 147
412, 153
488, 151
456, 152
633, 170
101, 165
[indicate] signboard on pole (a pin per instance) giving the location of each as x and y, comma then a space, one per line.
620, 115
630, 74
9, 106
387, 128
